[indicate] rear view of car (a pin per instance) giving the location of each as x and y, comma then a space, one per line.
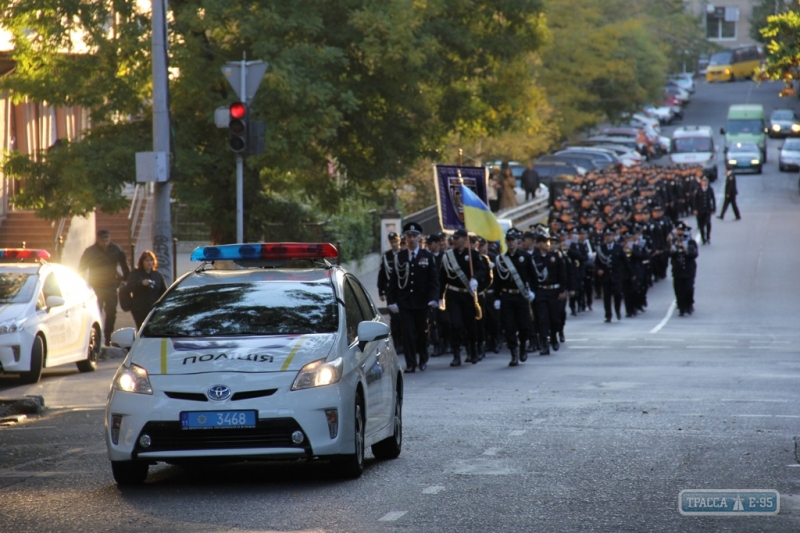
265, 352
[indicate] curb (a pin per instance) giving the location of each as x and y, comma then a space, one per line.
27, 405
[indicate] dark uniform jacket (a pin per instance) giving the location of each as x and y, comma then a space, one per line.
385, 271
524, 266
730, 186
102, 266
578, 255
413, 283
462, 258
704, 201
550, 272
684, 264
613, 262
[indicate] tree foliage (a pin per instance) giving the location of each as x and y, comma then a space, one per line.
782, 34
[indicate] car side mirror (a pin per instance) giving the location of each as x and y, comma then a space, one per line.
369, 331
54, 301
123, 337
722, 131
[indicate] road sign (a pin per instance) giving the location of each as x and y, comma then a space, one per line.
729, 502
254, 71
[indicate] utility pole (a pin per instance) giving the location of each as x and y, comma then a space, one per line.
240, 166
162, 225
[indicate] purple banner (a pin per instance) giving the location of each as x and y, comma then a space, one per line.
448, 192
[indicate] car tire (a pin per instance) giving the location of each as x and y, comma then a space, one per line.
37, 362
765, 156
759, 169
389, 448
781, 168
90, 363
352, 466
129, 472
733, 78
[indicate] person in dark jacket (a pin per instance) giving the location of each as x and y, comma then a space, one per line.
730, 195
530, 182
99, 263
704, 207
146, 285
611, 265
683, 252
413, 287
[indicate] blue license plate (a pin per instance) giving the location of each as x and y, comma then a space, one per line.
218, 419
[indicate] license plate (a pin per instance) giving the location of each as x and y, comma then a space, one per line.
218, 419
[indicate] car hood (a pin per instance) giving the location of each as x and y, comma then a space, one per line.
690, 157
234, 354
11, 311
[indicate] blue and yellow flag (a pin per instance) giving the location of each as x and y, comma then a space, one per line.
479, 219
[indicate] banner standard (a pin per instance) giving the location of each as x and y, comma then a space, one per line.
448, 192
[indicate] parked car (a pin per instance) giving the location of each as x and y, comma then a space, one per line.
681, 95
783, 123
745, 156
684, 81
644, 144
573, 158
602, 157
548, 170
789, 158
663, 113
49, 316
626, 156
674, 104
625, 143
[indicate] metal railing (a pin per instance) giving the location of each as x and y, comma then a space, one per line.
135, 216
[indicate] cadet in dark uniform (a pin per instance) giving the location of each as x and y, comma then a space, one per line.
704, 205
412, 289
436, 326
550, 286
513, 275
611, 263
458, 283
684, 268
730, 195
385, 272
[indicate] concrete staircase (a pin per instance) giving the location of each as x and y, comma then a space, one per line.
24, 229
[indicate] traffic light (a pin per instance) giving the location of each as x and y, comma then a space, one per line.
237, 127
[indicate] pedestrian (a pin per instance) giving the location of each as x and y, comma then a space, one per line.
704, 207
513, 273
146, 285
462, 267
384, 273
413, 288
494, 190
550, 287
730, 195
530, 181
99, 264
684, 267
509, 194
611, 264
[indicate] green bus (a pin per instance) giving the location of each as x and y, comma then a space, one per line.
746, 123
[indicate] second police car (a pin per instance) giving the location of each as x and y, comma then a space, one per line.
266, 351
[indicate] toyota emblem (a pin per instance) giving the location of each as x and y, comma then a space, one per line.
219, 392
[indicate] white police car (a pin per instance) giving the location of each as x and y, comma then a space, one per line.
266, 351
48, 316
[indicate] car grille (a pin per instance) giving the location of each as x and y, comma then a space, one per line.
200, 397
268, 433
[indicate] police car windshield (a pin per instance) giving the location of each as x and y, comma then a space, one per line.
16, 287
258, 308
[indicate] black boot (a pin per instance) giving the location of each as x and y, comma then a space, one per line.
473, 354
545, 348
456, 356
497, 343
514, 358
561, 336
523, 353
555, 345
482, 352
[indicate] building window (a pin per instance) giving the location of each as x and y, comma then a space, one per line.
721, 23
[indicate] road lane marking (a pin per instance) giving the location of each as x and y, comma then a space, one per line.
517, 432
491, 451
710, 347
435, 489
670, 311
771, 342
749, 400
392, 516
650, 347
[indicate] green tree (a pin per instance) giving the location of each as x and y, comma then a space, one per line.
761, 11
782, 35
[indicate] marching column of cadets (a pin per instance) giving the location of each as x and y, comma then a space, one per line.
610, 236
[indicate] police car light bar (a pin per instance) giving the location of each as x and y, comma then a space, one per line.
24, 253
277, 250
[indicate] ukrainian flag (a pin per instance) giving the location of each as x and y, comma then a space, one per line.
479, 220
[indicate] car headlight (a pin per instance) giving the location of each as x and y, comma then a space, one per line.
731, 161
132, 379
776, 127
12, 326
795, 128
755, 161
318, 374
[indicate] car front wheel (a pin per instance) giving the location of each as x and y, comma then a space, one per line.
90, 363
37, 362
352, 466
129, 472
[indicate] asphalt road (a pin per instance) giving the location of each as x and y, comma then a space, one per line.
601, 436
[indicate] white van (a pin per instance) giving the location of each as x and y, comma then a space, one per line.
694, 145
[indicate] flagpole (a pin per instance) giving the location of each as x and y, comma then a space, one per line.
478, 311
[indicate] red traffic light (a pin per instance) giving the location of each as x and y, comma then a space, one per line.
237, 110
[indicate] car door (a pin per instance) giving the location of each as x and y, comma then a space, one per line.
384, 356
368, 362
75, 291
54, 322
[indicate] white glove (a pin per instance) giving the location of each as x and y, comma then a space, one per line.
433, 303
531, 296
441, 304
497, 304
393, 308
473, 284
